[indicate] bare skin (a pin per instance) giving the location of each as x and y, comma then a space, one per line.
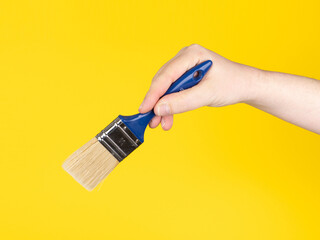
295, 99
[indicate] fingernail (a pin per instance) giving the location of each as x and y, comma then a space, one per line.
163, 122
141, 106
163, 109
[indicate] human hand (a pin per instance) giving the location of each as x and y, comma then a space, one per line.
225, 83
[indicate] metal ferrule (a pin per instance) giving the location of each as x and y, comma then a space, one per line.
118, 139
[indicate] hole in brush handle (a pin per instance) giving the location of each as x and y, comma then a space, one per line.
197, 76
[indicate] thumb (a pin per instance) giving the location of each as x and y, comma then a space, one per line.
183, 101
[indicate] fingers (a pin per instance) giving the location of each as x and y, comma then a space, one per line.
154, 122
183, 101
178, 102
171, 71
166, 122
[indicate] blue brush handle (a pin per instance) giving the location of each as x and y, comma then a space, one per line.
138, 123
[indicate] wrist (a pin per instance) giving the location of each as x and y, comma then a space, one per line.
255, 84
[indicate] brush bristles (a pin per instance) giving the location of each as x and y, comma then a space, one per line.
90, 164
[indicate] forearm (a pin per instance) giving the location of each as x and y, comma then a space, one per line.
292, 98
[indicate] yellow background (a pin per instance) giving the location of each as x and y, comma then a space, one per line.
68, 68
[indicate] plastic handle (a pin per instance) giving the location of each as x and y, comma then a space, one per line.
190, 78
138, 123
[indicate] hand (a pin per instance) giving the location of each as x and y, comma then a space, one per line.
225, 83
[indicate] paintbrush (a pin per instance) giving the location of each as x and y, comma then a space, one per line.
90, 164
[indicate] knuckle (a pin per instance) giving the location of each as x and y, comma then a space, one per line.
158, 79
194, 47
183, 49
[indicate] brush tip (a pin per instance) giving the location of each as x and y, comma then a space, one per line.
90, 164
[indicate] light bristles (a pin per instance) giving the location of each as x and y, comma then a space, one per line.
90, 164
